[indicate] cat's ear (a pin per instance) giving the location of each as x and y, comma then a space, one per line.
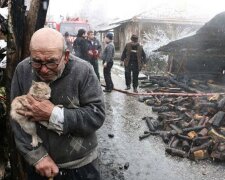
33, 82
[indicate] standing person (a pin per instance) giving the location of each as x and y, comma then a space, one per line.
133, 57
80, 45
68, 149
69, 44
94, 50
107, 57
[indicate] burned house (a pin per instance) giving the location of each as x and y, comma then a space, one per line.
201, 55
145, 24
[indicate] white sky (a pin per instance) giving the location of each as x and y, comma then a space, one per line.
127, 8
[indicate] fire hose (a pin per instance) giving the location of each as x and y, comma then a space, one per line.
165, 93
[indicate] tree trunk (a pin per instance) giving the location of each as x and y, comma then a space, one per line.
22, 25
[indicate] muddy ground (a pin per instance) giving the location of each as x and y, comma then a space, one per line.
119, 144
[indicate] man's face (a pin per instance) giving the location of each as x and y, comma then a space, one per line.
84, 35
91, 36
107, 40
49, 64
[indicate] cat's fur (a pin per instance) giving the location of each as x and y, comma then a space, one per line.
40, 91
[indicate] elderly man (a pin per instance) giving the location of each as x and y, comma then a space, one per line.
68, 150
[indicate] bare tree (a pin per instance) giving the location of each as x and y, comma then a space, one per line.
22, 23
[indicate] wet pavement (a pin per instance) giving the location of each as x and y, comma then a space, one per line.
119, 144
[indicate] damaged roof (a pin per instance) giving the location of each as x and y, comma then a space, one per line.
208, 39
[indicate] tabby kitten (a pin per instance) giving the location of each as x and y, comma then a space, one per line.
40, 91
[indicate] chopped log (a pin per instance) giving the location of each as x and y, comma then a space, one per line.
200, 140
146, 85
203, 146
177, 129
183, 137
218, 119
174, 143
205, 105
150, 124
216, 136
221, 104
221, 147
182, 85
203, 132
150, 102
185, 146
160, 109
176, 152
144, 98
173, 120
167, 115
181, 109
196, 128
201, 154
192, 134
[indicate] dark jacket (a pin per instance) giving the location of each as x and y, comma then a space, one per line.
80, 48
133, 53
108, 53
93, 46
84, 113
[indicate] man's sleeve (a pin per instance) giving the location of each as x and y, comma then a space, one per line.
99, 47
90, 116
109, 54
124, 54
144, 56
84, 48
22, 139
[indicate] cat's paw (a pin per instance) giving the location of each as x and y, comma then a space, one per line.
35, 141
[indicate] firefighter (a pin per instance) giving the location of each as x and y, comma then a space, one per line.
94, 50
80, 45
69, 44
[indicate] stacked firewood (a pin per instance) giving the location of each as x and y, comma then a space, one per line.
192, 127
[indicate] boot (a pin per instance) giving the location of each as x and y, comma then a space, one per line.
127, 88
107, 90
135, 90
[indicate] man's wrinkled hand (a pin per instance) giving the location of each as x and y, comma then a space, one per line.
47, 167
105, 65
37, 110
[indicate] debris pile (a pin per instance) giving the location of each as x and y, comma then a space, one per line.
179, 84
192, 127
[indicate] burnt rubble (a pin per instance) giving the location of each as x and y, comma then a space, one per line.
191, 127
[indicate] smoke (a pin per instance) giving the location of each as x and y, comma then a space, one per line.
157, 62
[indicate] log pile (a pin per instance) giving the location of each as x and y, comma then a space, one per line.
173, 84
191, 127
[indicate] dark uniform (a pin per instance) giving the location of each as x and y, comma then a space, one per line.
95, 47
80, 48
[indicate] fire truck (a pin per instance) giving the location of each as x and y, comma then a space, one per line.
70, 25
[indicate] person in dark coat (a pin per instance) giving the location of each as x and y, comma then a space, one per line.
69, 43
80, 45
107, 57
134, 58
94, 50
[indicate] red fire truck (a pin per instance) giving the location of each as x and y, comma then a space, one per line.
70, 25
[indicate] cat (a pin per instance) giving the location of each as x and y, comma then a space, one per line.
39, 91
